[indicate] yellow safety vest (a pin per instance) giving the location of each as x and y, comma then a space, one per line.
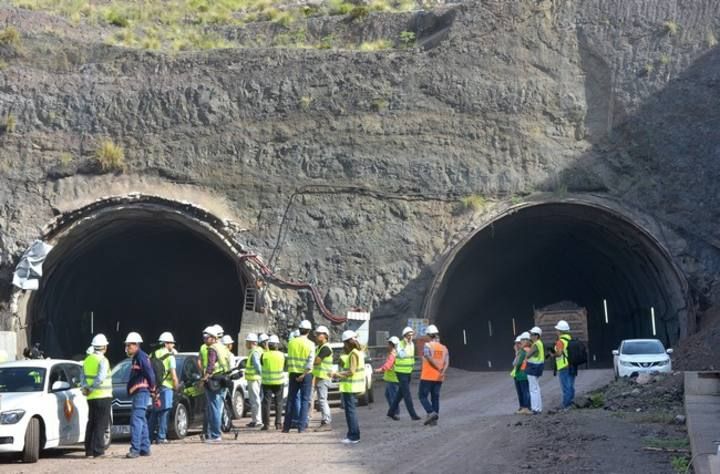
390, 375
250, 372
159, 354
273, 362
91, 367
324, 369
404, 365
202, 353
356, 382
299, 350
223, 354
539, 357
562, 362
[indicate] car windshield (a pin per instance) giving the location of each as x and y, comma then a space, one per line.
121, 372
642, 347
21, 379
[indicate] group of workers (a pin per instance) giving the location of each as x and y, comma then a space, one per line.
529, 364
307, 361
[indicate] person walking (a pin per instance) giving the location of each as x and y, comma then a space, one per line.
253, 376
436, 360
96, 385
566, 372
322, 374
389, 376
140, 385
520, 375
159, 414
536, 364
404, 364
300, 359
214, 391
273, 363
352, 383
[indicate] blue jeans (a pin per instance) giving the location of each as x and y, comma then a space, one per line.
391, 390
350, 403
139, 433
291, 408
522, 387
431, 390
403, 393
567, 383
215, 407
298, 402
159, 416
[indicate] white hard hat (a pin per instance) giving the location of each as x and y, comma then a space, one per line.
432, 329
166, 337
219, 330
99, 340
322, 330
211, 331
251, 337
394, 340
562, 325
536, 330
133, 338
274, 339
227, 339
525, 335
518, 339
90, 350
407, 330
347, 335
305, 324
262, 337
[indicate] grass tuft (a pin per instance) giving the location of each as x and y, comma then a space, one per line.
111, 156
10, 37
671, 27
474, 202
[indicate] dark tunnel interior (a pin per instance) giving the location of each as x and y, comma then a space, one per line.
545, 254
136, 272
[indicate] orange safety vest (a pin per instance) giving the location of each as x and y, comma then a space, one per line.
438, 351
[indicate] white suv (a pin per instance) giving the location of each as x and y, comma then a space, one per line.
635, 356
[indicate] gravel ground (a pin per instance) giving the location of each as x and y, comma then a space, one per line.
476, 433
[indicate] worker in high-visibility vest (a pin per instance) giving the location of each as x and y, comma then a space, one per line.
436, 360
322, 374
215, 365
536, 364
253, 376
273, 364
96, 385
352, 383
166, 387
404, 364
300, 359
389, 376
566, 372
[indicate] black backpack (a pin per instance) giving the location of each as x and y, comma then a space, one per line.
158, 366
576, 353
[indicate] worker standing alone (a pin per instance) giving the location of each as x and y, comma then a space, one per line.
300, 359
352, 383
166, 387
536, 364
273, 363
97, 387
253, 376
322, 371
404, 364
436, 360
566, 372
141, 383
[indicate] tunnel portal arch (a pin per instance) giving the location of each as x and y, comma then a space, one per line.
136, 262
538, 254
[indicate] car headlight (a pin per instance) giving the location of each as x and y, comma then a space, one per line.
11, 417
625, 363
663, 362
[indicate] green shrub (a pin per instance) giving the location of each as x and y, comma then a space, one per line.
66, 159
10, 123
407, 39
379, 104
359, 12
339, 7
671, 27
377, 45
664, 59
474, 202
117, 18
3, 64
110, 156
597, 400
305, 102
10, 37
681, 464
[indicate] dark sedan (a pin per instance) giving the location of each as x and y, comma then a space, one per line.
188, 409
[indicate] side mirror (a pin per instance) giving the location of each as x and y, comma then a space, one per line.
669, 351
616, 352
59, 386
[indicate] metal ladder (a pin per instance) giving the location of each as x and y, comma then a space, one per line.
250, 295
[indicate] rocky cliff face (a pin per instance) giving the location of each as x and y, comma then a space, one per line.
506, 100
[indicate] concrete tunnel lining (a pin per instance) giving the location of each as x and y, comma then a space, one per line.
543, 253
176, 268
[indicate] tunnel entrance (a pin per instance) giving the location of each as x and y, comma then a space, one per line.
542, 254
139, 268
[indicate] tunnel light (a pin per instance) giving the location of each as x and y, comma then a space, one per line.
489, 364
92, 322
605, 308
514, 328
490, 328
652, 317
464, 337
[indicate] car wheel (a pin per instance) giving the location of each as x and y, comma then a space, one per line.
178, 425
226, 420
31, 451
238, 404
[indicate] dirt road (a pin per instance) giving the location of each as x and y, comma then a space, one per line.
476, 433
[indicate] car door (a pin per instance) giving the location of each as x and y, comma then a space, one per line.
193, 390
63, 410
77, 404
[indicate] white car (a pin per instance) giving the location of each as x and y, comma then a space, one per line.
635, 356
41, 406
239, 397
